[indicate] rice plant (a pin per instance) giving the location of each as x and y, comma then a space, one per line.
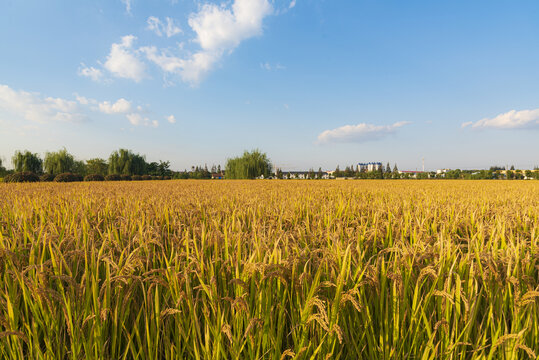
269, 270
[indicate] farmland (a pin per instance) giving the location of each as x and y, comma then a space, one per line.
270, 270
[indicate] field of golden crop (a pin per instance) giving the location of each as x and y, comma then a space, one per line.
270, 270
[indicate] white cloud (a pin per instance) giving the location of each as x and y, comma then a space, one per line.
137, 119
510, 120
154, 24
270, 67
34, 107
119, 107
191, 70
292, 4
134, 119
123, 62
128, 4
91, 72
84, 100
157, 26
358, 133
219, 30
171, 119
39, 109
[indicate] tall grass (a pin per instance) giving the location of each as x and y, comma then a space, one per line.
269, 270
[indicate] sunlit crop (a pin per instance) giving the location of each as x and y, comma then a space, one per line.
270, 270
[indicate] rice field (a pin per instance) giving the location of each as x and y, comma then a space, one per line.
270, 270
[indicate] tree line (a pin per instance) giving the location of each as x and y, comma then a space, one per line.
124, 164
495, 172
120, 162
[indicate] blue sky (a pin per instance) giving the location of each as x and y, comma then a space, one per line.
313, 83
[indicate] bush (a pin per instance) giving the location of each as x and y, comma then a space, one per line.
136, 177
94, 177
167, 178
126, 177
67, 177
113, 177
146, 177
25, 176
46, 177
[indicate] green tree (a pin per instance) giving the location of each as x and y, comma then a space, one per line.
349, 171
162, 168
152, 168
2, 169
79, 167
509, 175
395, 173
27, 161
248, 166
199, 172
337, 173
58, 162
125, 162
97, 166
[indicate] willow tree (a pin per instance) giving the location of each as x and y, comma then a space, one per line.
248, 166
27, 161
59, 162
125, 162
2, 168
97, 166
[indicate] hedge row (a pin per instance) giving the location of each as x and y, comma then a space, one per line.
69, 177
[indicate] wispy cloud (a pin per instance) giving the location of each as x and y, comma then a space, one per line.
171, 119
510, 120
128, 5
219, 30
292, 4
123, 61
138, 119
37, 108
269, 67
90, 72
160, 28
121, 106
358, 133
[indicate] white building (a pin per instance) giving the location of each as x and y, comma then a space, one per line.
370, 166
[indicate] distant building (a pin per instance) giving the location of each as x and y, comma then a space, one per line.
295, 174
305, 175
412, 173
370, 166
